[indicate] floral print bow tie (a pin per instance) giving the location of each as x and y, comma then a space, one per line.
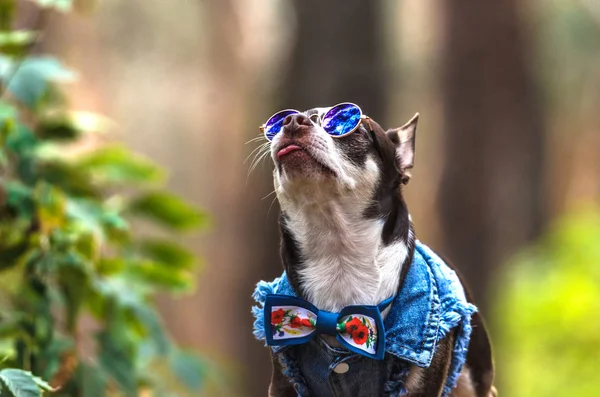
295, 321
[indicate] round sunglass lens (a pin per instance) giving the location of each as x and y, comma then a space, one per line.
341, 119
274, 125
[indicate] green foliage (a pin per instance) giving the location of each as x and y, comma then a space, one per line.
61, 5
22, 383
548, 325
69, 257
568, 36
168, 210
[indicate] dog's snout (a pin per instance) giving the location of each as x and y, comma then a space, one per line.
295, 122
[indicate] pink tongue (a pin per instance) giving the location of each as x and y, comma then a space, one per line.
287, 149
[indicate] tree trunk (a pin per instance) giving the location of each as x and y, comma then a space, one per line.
491, 198
337, 56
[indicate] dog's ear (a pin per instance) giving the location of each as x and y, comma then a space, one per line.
404, 139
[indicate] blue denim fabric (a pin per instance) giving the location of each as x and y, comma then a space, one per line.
431, 303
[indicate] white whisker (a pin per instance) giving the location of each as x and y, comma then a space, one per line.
258, 155
274, 191
272, 202
257, 138
259, 158
261, 155
260, 147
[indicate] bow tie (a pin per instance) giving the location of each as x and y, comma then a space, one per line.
294, 321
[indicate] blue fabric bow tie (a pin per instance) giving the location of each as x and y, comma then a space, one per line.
295, 321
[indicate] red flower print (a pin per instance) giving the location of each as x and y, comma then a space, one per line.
352, 325
296, 322
360, 335
306, 323
277, 316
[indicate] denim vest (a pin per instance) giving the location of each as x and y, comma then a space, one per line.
431, 302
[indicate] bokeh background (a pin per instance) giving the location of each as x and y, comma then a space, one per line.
507, 177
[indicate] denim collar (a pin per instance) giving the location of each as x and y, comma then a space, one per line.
431, 302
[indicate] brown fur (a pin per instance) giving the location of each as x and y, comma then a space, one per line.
433, 378
280, 385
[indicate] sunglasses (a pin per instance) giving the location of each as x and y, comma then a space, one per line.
339, 121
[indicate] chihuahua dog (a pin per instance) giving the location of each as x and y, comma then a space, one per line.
347, 239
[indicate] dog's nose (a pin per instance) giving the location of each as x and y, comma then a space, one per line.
295, 123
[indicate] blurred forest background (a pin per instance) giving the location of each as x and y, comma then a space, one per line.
507, 177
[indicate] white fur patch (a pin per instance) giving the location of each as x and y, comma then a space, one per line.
390, 259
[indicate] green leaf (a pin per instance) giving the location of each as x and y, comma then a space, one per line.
109, 266
168, 210
9, 255
57, 129
116, 360
93, 380
60, 5
160, 276
154, 327
168, 252
29, 80
8, 115
67, 177
16, 42
51, 208
67, 126
74, 286
88, 215
19, 197
21, 140
90, 122
3, 158
7, 349
22, 383
7, 12
189, 369
117, 164
42, 384
53, 353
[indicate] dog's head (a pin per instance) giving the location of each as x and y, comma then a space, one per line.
343, 217
364, 169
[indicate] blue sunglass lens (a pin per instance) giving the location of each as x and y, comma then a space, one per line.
341, 119
274, 125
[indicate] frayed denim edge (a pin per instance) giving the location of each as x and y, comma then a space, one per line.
459, 315
289, 368
263, 289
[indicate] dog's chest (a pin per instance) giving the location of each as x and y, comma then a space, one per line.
338, 266
343, 261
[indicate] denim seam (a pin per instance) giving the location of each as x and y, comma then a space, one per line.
431, 331
432, 309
